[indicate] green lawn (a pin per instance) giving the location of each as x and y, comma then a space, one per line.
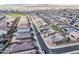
16, 14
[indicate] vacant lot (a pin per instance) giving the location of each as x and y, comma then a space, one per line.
16, 14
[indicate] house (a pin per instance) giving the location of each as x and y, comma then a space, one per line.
1, 47
2, 17
21, 47
23, 22
74, 36
3, 32
38, 24
76, 24
24, 35
55, 22
57, 38
44, 24
23, 26
44, 27
60, 26
49, 42
68, 29
23, 17
48, 32
66, 20
23, 30
20, 40
4, 27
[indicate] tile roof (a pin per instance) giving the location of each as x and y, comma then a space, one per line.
23, 35
56, 37
75, 34
21, 47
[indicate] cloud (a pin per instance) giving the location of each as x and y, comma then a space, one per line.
39, 2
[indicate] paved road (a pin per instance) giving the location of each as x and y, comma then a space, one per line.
65, 49
40, 39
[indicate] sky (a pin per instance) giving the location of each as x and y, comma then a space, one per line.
2, 2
